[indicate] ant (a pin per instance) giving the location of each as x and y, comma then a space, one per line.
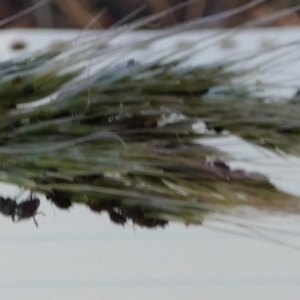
138, 217
151, 222
59, 199
98, 207
24, 210
116, 217
28, 209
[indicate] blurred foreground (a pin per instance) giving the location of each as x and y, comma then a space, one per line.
78, 13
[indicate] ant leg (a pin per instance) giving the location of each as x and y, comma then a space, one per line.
37, 213
35, 222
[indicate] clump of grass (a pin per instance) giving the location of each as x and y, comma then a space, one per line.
119, 136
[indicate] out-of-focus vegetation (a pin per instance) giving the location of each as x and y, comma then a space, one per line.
77, 13
119, 137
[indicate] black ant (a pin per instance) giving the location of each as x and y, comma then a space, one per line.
150, 222
59, 200
24, 210
116, 217
98, 207
134, 213
28, 209
138, 217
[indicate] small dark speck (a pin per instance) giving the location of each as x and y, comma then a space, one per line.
18, 45
132, 62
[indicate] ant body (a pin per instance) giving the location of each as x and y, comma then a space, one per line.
150, 222
138, 217
120, 215
8, 207
98, 207
116, 217
59, 199
28, 209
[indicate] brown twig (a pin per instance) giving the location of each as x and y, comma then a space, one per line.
80, 13
161, 5
195, 9
43, 16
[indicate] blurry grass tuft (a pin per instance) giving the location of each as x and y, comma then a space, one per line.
85, 124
